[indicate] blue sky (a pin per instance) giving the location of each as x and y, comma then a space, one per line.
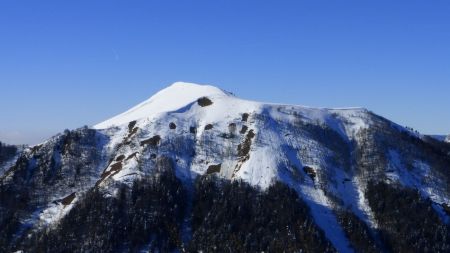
65, 64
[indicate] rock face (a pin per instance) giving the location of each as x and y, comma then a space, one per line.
196, 169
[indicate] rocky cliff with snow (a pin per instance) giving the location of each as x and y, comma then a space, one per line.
195, 168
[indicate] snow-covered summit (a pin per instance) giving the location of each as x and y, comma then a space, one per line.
169, 99
180, 94
447, 139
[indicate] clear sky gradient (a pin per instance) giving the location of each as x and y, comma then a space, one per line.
65, 64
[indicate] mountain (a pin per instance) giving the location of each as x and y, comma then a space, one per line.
195, 168
8, 155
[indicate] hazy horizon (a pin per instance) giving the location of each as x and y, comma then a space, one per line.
69, 64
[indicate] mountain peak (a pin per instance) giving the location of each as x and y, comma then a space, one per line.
189, 90
172, 98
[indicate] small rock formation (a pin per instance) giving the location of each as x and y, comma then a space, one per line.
204, 101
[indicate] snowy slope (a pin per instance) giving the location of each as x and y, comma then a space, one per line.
177, 104
172, 98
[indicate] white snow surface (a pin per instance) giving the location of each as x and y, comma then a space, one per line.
172, 98
178, 104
